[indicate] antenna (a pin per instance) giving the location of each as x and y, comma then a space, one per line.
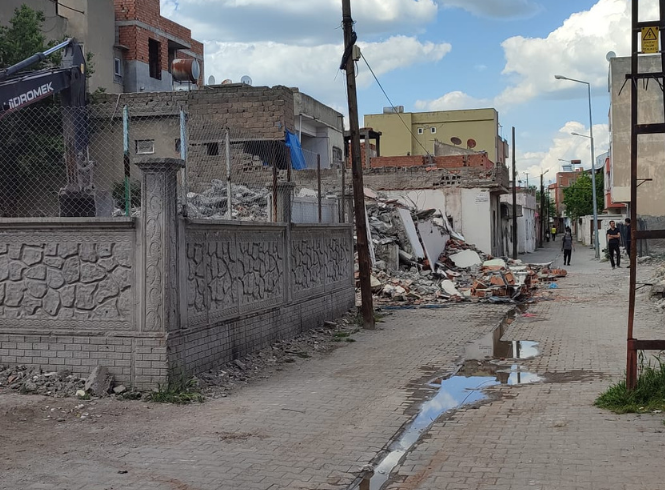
246, 80
456, 141
471, 143
610, 55
211, 80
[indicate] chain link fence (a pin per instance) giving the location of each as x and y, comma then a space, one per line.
63, 161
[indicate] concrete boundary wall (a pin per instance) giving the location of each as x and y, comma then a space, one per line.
159, 295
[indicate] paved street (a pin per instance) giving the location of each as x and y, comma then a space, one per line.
549, 435
317, 422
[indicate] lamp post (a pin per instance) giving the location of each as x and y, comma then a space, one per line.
593, 163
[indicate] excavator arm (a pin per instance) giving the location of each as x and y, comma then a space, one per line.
20, 89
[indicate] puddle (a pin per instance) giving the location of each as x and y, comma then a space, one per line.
483, 369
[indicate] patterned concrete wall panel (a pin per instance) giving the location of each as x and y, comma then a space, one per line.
339, 260
67, 279
308, 262
222, 276
198, 302
260, 265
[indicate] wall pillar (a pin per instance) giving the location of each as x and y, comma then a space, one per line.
284, 201
159, 242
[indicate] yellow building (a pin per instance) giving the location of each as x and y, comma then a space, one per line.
450, 127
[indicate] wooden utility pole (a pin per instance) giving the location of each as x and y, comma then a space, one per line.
364, 265
542, 211
514, 201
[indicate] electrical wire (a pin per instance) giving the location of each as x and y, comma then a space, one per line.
393, 106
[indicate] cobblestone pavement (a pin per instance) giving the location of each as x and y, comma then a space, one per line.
311, 426
549, 435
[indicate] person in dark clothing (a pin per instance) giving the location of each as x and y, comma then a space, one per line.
554, 233
628, 238
613, 244
567, 245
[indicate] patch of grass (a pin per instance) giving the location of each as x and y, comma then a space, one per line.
358, 320
341, 335
648, 396
179, 390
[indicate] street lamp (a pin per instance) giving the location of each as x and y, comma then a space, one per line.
593, 162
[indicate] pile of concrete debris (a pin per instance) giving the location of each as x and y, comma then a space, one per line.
29, 379
419, 259
247, 204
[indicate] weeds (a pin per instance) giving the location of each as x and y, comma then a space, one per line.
648, 395
179, 390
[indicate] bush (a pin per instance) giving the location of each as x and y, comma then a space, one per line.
119, 194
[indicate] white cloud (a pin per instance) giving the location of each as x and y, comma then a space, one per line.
304, 22
576, 49
315, 69
498, 9
452, 101
564, 146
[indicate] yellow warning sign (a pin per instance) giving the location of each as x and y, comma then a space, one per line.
650, 39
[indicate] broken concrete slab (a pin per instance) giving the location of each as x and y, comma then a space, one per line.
495, 263
449, 288
434, 241
99, 382
411, 232
466, 258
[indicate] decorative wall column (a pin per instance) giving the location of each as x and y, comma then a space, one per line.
159, 242
284, 201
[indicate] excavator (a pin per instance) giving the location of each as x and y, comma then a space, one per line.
20, 89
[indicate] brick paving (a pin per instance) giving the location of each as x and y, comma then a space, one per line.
311, 426
549, 435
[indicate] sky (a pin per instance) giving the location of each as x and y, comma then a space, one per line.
435, 55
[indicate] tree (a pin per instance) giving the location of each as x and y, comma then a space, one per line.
578, 198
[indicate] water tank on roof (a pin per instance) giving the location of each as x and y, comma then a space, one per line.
185, 70
393, 110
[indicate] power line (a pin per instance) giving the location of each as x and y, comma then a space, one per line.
393, 106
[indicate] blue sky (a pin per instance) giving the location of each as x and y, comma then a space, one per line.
433, 55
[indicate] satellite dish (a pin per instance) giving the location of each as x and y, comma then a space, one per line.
456, 141
471, 143
227, 81
211, 80
246, 80
610, 55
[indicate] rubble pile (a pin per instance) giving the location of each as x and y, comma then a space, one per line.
33, 380
419, 259
248, 204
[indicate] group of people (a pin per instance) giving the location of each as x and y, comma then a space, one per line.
614, 240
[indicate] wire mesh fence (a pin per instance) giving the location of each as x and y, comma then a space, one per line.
63, 161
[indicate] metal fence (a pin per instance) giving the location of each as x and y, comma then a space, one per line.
59, 161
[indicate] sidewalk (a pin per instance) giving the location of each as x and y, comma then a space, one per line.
549, 435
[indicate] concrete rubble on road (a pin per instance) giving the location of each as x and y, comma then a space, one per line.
417, 267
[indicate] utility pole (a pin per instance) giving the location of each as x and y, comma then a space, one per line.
364, 265
514, 201
542, 210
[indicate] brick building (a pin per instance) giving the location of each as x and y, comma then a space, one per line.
148, 44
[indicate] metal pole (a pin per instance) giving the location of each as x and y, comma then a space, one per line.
364, 265
543, 222
229, 199
318, 183
343, 208
593, 179
514, 201
183, 155
125, 149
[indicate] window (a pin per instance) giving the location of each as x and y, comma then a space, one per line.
432, 130
145, 147
212, 149
421, 130
178, 145
154, 59
117, 67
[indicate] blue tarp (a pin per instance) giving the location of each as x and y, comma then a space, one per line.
297, 158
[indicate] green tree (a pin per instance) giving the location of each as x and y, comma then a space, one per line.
578, 198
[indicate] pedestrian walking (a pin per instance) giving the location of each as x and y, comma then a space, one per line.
613, 244
554, 233
567, 245
628, 239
